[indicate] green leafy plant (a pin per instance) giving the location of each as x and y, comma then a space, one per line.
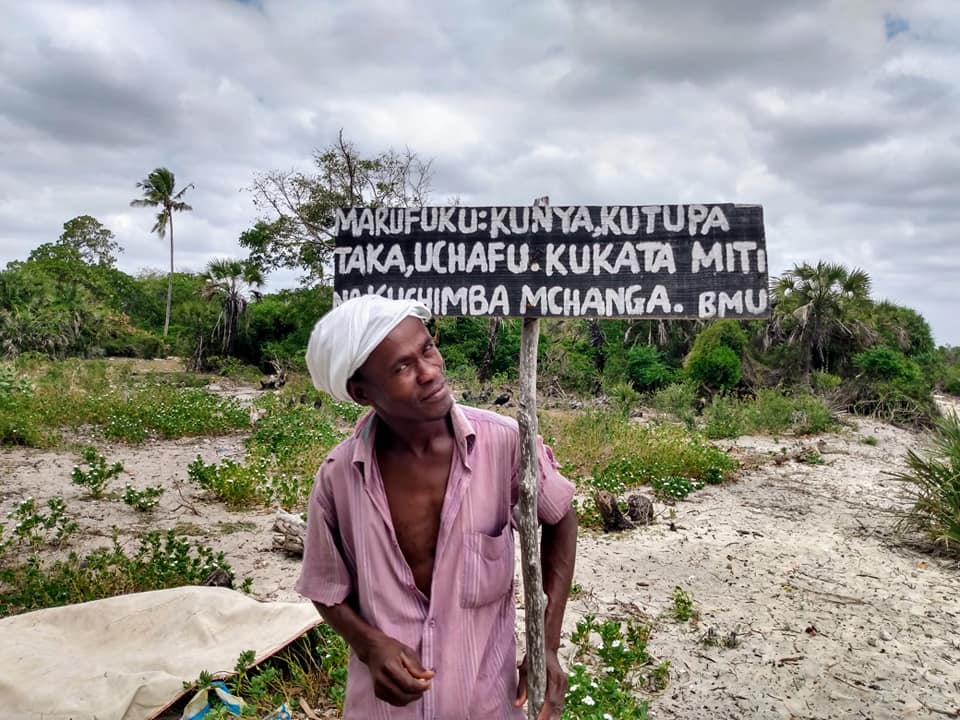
97, 474
36, 527
678, 400
162, 560
142, 500
675, 487
611, 658
933, 488
312, 667
238, 485
682, 609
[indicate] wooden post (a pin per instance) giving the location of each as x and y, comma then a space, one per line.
535, 600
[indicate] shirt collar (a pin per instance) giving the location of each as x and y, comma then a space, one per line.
465, 437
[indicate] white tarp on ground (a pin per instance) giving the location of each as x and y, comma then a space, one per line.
126, 658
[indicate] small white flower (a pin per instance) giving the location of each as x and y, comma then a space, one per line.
574, 688
616, 643
587, 700
608, 669
607, 716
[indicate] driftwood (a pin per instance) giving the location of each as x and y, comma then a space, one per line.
610, 512
640, 509
289, 530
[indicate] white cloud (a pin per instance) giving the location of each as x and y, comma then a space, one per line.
837, 116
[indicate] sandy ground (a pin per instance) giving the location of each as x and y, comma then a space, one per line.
835, 617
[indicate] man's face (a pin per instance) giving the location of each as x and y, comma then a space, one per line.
403, 378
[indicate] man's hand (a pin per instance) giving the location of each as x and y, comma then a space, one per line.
556, 688
398, 676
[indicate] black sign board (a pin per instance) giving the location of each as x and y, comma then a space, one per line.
652, 261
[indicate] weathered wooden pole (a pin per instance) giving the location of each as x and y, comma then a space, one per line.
535, 600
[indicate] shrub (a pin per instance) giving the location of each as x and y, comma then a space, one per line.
933, 486
96, 477
678, 400
611, 659
882, 363
142, 500
646, 368
713, 362
724, 418
161, 561
824, 382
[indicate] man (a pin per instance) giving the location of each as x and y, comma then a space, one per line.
409, 551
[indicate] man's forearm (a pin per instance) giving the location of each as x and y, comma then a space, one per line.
558, 552
358, 633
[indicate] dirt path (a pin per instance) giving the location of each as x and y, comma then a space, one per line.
834, 618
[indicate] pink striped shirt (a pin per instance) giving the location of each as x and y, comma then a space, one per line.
465, 630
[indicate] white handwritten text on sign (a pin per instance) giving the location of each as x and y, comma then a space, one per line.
655, 261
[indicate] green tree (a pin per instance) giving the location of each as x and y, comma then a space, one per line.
298, 207
816, 304
159, 191
232, 283
91, 239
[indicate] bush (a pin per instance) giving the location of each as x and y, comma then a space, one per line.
724, 418
646, 368
715, 369
881, 363
678, 400
161, 561
933, 484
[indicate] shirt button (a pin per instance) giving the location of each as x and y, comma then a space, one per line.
433, 623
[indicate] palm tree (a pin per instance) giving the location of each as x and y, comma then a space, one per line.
158, 192
230, 281
814, 303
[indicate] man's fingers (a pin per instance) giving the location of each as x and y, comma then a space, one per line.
390, 690
412, 666
522, 686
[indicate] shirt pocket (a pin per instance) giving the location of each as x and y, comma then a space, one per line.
487, 567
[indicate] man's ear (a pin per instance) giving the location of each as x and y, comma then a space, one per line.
358, 392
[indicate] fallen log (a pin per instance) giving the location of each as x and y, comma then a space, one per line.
289, 530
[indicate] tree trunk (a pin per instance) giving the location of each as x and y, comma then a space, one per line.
166, 320
493, 332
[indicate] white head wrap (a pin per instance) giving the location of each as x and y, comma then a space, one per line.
343, 339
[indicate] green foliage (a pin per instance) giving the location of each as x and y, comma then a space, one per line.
38, 528
299, 206
824, 382
714, 369
238, 485
94, 242
611, 658
683, 609
97, 474
891, 386
821, 310
313, 667
933, 486
678, 400
646, 368
772, 412
674, 487
724, 418
173, 412
882, 363
290, 440
713, 363
142, 500
162, 560
623, 398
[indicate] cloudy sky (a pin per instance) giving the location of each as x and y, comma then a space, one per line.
840, 118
